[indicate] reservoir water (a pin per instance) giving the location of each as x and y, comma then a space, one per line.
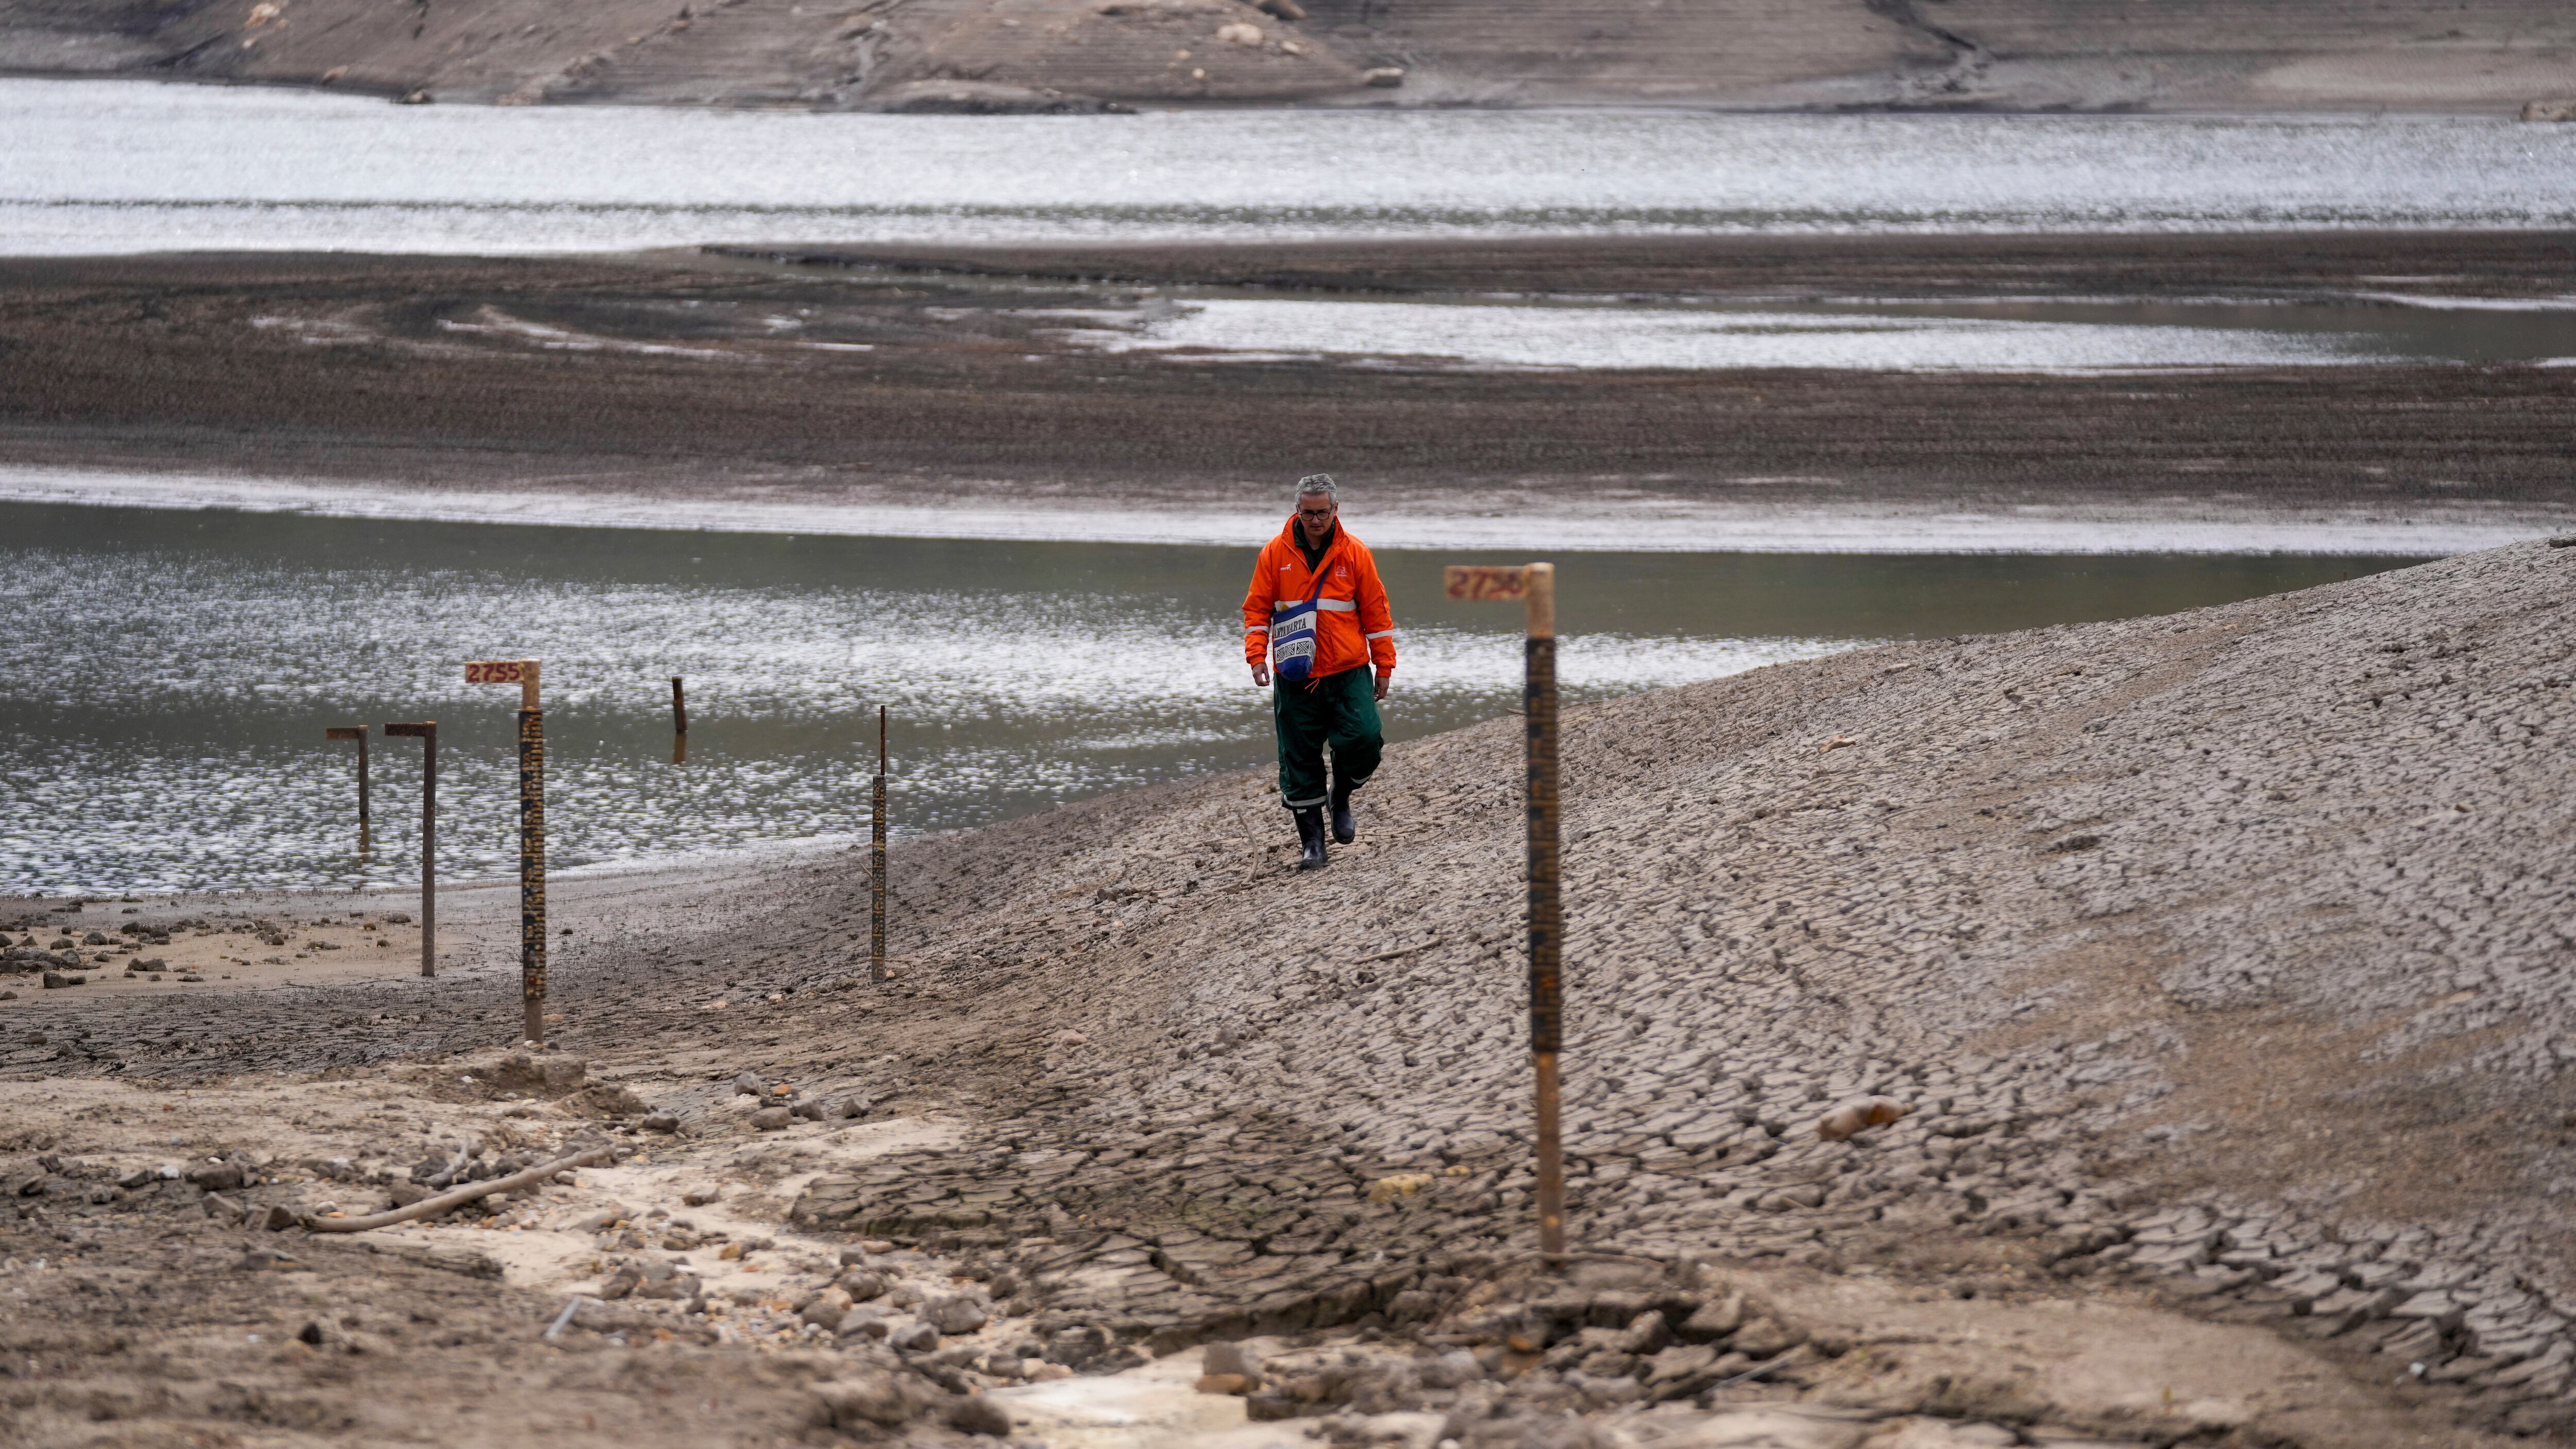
118, 166
166, 677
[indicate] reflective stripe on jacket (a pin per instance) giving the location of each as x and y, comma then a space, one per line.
1353, 625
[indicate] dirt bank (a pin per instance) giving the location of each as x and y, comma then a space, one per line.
907, 376
2493, 56
2220, 958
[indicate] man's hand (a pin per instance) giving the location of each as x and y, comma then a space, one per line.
1385, 677
1261, 676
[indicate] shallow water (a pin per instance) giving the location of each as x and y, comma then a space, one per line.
2075, 335
166, 677
115, 166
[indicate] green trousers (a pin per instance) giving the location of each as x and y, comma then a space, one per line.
1340, 711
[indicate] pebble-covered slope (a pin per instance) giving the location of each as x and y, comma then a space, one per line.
2229, 948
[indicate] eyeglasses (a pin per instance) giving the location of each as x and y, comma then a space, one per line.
1314, 513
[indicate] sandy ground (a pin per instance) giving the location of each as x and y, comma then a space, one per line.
2218, 959
930, 380
1081, 54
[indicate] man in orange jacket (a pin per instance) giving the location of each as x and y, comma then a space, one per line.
1315, 558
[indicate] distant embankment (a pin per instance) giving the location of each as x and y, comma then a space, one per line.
2486, 55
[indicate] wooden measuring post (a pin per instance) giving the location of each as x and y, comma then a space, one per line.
532, 834
1535, 584
877, 861
358, 733
427, 733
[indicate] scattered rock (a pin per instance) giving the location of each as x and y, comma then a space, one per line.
826, 1308
1714, 1319
663, 1122
1228, 1360
863, 1319
955, 1314
751, 1084
1764, 1337
216, 1176
55, 980
2550, 111
918, 1338
975, 1414
1385, 78
662, 1281
1240, 33
882, 1400
771, 1119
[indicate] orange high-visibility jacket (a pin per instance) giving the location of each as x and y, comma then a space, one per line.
1353, 625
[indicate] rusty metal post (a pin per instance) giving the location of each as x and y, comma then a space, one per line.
358, 733
877, 862
427, 733
679, 708
1546, 909
532, 853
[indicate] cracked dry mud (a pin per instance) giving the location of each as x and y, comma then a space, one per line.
2220, 956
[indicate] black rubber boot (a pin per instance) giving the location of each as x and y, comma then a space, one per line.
1310, 833
1345, 829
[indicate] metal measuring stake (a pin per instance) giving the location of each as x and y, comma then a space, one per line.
679, 723
427, 733
532, 833
358, 733
877, 861
1536, 585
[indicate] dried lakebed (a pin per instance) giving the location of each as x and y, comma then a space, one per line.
2219, 956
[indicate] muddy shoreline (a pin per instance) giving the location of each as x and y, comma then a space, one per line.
456, 373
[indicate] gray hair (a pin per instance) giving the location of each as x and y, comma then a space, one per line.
1319, 483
